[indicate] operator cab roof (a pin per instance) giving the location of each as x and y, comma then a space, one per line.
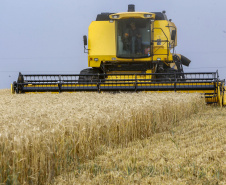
105, 16
131, 14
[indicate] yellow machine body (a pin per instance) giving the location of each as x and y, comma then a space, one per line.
130, 51
102, 40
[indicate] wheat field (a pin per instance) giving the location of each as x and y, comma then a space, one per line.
104, 138
192, 152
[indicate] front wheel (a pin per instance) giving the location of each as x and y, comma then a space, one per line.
90, 75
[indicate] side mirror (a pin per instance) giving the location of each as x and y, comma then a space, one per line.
85, 40
85, 43
173, 35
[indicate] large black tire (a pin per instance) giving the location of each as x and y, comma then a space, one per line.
170, 74
90, 75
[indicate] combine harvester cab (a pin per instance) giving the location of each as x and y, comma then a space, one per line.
130, 51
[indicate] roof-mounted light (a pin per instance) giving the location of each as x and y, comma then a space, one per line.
115, 16
148, 15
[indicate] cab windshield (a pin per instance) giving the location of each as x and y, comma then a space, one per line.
133, 38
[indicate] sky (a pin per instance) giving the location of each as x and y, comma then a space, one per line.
46, 36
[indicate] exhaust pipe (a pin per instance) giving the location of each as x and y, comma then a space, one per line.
131, 8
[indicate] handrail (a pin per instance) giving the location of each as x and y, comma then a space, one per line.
166, 41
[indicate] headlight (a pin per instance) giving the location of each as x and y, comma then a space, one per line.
115, 16
147, 15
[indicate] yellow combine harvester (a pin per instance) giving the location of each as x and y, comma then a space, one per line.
130, 51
